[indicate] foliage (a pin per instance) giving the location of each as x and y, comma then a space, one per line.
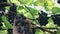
32, 13
55, 10
7, 24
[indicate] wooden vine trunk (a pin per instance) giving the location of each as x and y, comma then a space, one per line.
15, 31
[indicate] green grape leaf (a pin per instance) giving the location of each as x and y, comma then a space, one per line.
7, 24
33, 11
55, 10
25, 1
39, 2
38, 31
20, 7
58, 32
48, 4
28, 15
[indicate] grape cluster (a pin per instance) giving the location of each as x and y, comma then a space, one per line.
56, 19
43, 19
12, 13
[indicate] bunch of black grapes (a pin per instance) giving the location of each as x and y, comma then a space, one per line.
56, 19
58, 1
11, 15
43, 19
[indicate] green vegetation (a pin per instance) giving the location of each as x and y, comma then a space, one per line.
29, 10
